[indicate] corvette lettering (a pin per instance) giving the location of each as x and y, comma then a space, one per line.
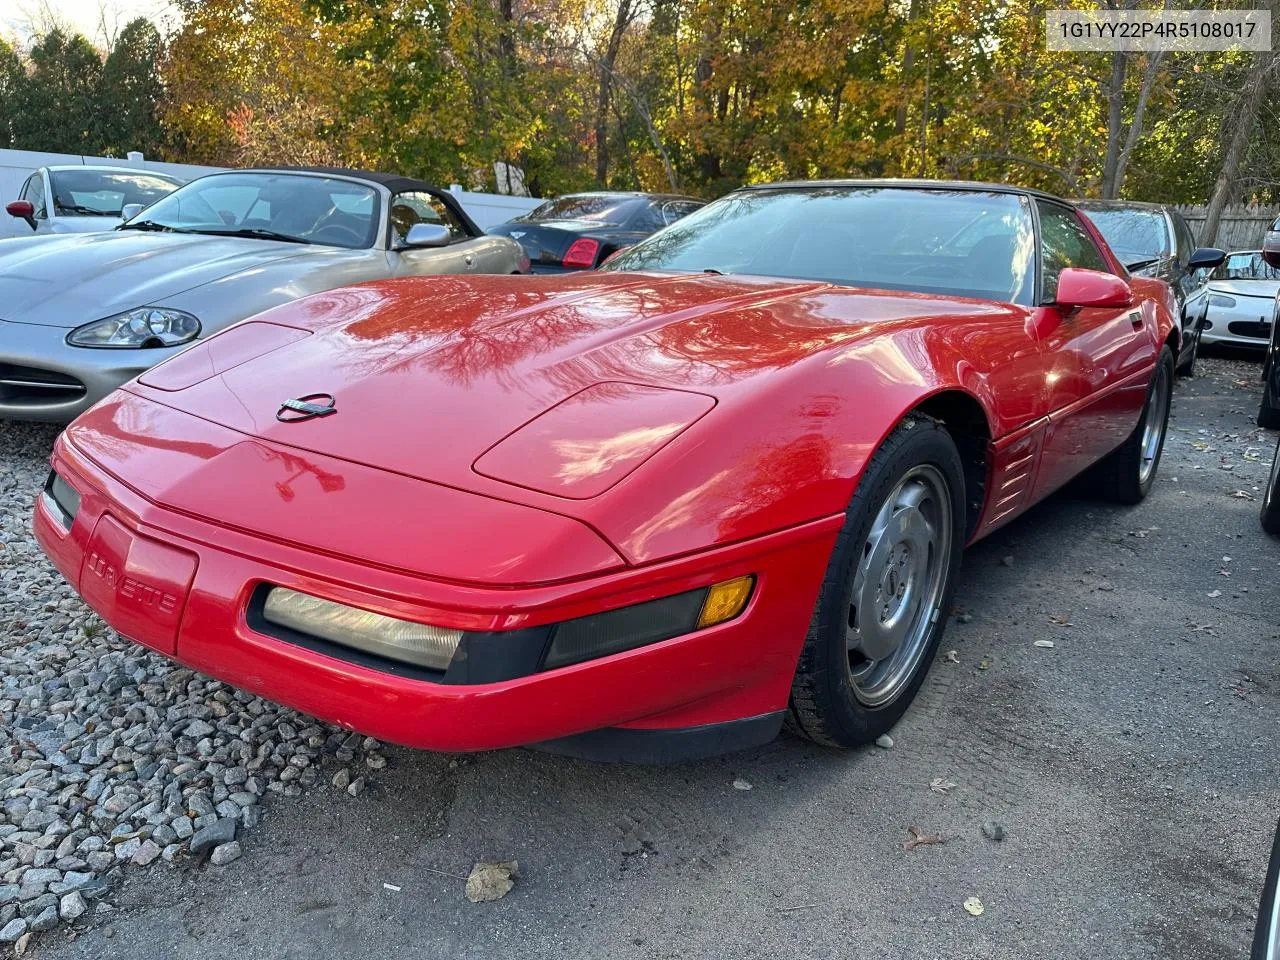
131, 588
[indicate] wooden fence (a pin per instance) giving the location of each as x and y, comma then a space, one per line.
1241, 227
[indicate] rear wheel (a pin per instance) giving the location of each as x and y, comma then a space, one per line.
1127, 474
1271, 498
880, 613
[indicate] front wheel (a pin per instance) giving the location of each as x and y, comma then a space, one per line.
1269, 408
881, 610
1271, 498
1187, 368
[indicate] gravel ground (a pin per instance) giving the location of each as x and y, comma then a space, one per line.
1131, 767
112, 758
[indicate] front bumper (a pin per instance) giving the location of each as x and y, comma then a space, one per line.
183, 587
1248, 323
44, 378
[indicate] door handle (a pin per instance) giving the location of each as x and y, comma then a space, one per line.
1136, 319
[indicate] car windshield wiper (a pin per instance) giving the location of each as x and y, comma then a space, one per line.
149, 225
1139, 264
85, 211
257, 233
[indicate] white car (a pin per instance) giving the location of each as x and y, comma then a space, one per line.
1241, 295
83, 199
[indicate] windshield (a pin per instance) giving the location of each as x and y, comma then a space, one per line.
606, 210
103, 193
1246, 265
965, 243
307, 209
1135, 235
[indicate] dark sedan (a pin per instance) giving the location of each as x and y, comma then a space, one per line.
580, 230
1152, 240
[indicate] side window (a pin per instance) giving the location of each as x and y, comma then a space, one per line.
673, 211
34, 192
1063, 243
1185, 243
1189, 236
650, 219
410, 208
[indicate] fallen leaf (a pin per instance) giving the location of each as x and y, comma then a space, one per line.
1243, 495
391, 886
1214, 594
741, 784
491, 880
974, 907
942, 785
920, 838
1060, 620
952, 657
1200, 627
1044, 644
984, 663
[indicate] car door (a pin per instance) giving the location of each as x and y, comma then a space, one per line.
413, 207
1099, 357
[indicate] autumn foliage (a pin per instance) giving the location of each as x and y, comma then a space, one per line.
693, 95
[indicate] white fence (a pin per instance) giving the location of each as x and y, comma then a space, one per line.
486, 209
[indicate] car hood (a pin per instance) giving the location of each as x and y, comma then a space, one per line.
448, 379
1246, 288
65, 281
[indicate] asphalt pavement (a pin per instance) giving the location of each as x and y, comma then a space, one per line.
1132, 766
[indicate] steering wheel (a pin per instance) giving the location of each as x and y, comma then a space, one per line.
341, 228
946, 269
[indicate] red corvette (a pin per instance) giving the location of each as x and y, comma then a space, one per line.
647, 512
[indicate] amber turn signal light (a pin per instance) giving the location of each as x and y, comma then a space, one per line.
725, 601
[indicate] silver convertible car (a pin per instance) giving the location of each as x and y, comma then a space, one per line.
80, 315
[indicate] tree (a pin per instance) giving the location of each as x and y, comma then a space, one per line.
57, 108
12, 79
131, 91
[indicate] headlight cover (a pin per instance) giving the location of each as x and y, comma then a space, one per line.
136, 329
415, 643
1218, 300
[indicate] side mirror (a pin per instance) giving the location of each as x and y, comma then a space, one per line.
129, 211
23, 210
1271, 248
427, 235
1092, 288
1206, 257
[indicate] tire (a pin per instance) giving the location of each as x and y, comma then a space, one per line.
1187, 368
902, 536
1269, 408
1128, 473
1271, 498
